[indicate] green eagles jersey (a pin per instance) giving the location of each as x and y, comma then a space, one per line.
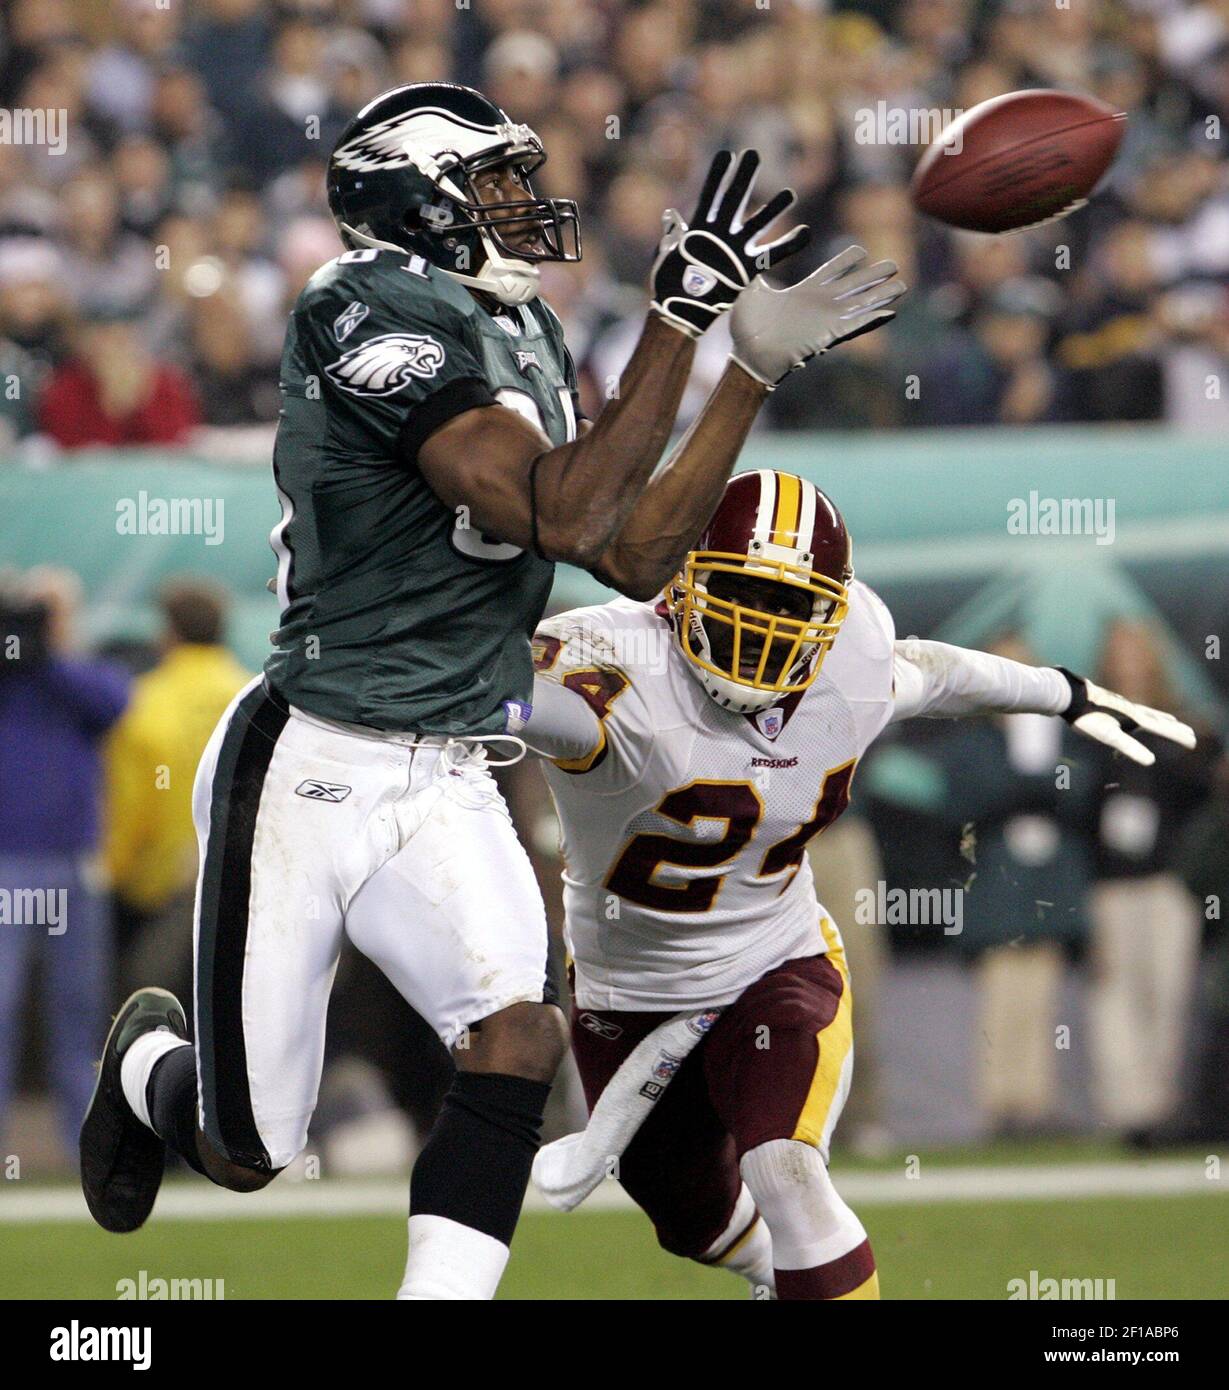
396, 613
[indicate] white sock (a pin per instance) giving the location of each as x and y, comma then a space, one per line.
809, 1221
139, 1061
451, 1261
749, 1244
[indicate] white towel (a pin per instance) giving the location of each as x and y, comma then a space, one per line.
570, 1168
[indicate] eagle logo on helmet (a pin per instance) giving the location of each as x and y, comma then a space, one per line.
387, 145
385, 364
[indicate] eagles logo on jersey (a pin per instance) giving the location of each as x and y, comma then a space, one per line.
387, 363
406, 574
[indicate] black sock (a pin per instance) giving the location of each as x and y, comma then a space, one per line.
170, 1097
475, 1166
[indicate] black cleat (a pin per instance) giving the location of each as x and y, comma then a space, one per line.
122, 1159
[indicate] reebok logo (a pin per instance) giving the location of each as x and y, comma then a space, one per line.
600, 1026
323, 791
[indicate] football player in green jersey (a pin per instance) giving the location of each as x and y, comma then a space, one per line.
432, 467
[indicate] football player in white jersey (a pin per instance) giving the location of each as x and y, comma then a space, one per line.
694, 745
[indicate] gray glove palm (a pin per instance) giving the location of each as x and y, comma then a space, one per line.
777, 331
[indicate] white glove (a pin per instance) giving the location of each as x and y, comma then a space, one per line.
776, 331
1112, 719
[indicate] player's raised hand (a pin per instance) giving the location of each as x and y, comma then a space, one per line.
702, 267
776, 331
1112, 719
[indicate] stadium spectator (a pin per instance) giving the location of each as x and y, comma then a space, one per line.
192, 134
17, 374
228, 46
1145, 939
114, 393
123, 72
234, 388
1108, 353
1202, 859
101, 260
174, 112
997, 373
34, 314
151, 757
290, 104
142, 171
55, 709
1024, 905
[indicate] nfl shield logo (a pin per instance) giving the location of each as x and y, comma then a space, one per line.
665, 1066
770, 723
702, 1022
697, 281
516, 715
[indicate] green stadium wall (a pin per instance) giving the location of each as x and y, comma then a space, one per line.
928, 511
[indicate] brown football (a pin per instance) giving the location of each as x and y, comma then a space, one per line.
1017, 160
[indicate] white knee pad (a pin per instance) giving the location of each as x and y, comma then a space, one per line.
808, 1219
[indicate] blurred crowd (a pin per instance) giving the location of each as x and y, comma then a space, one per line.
1089, 925
148, 262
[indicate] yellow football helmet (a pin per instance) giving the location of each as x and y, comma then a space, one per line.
761, 598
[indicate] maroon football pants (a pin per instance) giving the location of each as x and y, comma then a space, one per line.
769, 1069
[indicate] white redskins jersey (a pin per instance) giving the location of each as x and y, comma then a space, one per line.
685, 826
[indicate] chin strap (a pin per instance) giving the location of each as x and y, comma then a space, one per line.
509, 280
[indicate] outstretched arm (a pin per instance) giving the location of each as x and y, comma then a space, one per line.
933, 678
565, 501
672, 510
775, 332
569, 502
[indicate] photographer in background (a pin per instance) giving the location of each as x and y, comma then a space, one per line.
55, 709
